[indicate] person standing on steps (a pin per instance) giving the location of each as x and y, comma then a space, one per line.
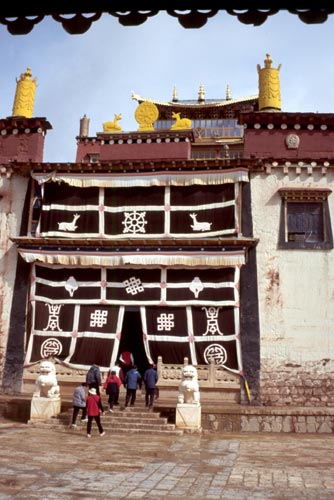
131, 382
94, 407
93, 378
150, 381
79, 403
112, 386
119, 373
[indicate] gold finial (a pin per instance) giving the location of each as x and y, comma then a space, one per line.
146, 114
175, 96
181, 123
25, 95
228, 93
113, 126
201, 93
269, 86
268, 61
84, 126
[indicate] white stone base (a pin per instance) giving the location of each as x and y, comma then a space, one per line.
43, 408
188, 416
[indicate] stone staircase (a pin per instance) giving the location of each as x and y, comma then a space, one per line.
130, 420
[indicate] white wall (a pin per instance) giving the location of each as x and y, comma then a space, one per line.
296, 287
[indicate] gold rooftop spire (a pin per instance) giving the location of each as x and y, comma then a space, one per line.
201, 93
175, 96
25, 95
269, 86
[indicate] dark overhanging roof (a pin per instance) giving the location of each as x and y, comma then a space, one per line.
77, 17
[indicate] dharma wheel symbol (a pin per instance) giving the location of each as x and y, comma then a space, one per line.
134, 222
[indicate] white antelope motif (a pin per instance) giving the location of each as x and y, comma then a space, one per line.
199, 226
68, 226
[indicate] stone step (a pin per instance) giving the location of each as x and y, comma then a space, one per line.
132, 420
114, 419
168, 429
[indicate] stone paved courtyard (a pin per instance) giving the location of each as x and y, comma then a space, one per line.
52, 464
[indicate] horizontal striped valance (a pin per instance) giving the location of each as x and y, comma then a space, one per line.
146, 179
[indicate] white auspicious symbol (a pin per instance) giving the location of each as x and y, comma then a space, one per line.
133, 285
196, 286
292, 141
71, 285
215, 352
53, 320
98, 318
51, 348
69, 226
165, 322
199, 226
134, 222
212, 326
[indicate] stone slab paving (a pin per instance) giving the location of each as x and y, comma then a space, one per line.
47, 464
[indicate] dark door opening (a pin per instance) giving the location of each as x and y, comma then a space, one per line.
132, 338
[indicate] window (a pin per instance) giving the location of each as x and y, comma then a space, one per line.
305, 219
35, 208
94, 158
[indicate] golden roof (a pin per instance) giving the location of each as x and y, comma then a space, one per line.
194, 103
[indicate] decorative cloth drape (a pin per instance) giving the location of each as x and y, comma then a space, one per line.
131, 208
77, 314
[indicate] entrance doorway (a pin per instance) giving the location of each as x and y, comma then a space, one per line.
132, 338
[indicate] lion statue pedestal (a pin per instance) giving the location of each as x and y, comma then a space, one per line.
45, 401
188, 408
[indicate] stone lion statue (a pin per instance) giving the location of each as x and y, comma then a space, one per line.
46, 385
189, 388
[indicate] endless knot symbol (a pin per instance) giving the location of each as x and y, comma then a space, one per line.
98, 318
165, 322
134, 222
215, 352
133, 285
51, 347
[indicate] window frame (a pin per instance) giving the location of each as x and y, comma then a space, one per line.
290, 196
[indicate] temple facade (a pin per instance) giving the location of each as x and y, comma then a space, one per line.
204, 235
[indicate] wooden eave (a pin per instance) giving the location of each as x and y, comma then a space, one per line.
134, 136
278, 118
21, 123
21, 17
268, 164
146, 245
131, 167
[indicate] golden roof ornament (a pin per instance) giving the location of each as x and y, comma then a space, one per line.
175, 96
25, 95
113, 126
269, 86
146, 114
201, 93
181, 123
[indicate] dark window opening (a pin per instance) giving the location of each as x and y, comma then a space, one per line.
305, 219
305, 222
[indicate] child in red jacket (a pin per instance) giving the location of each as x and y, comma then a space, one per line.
112, 386
94, 406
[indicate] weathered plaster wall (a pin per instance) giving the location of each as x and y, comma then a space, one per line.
12, 197
296, 300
